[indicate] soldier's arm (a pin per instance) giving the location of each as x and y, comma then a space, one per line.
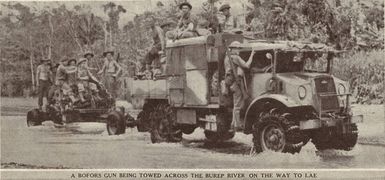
178, 26
235, 22
50, 76
103, 68
244, 64
195, 23
37, 75
92, 78
119, 68
161, 37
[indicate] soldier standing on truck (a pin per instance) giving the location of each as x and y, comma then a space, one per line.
234, 76
159, 45
111, 70
43, 75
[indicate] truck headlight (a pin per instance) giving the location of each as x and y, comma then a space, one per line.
301, 92
341, 89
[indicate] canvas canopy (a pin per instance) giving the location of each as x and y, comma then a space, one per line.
284, 46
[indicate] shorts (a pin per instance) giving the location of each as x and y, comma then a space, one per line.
67, 90
83, 85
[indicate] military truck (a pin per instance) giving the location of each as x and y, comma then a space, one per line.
290, 95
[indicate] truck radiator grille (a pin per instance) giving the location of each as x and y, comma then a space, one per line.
325, 85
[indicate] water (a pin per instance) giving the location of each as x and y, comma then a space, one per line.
87, 145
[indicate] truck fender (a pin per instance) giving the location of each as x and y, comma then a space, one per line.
257, 105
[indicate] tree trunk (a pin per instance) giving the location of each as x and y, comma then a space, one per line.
105, 34
50, 37
31, 63
74, 35
110, 37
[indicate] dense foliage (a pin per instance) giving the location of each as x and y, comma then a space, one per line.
28, 34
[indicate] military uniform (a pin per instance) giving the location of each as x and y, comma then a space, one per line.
234, 80
44, 79
186, 26
111, 69
228, 22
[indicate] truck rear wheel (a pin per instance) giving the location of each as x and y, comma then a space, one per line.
163, 126
275, 132
34, 118
116, 124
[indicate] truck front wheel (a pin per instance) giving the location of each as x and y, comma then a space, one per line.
275, 131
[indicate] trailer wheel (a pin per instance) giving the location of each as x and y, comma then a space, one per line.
115, 124
164, 128
34, 118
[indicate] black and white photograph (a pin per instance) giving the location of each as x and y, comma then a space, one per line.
192, 89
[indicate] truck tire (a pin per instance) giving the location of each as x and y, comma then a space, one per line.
116, 124
275, 131
336, 140
143, 122
163, 125
34, 118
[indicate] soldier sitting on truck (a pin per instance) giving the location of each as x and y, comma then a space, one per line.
187, 24
234, 76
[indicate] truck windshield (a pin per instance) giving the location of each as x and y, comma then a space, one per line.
301, 62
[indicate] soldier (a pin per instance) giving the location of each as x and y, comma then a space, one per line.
227, 22
59, 78
111, 70
187, 23
89, 56
43, 76
71, 79
84, 77
159, 45
234, 75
